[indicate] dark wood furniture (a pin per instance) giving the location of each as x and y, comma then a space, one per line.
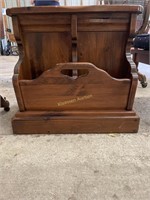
142, 27
140, 55
143, 56
73, 74
4, 103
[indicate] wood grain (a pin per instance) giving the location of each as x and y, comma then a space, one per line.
73, 74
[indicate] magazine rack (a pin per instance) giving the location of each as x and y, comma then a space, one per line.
73, 73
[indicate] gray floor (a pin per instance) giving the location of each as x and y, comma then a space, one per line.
74, 167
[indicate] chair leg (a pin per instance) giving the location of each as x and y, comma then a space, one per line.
4, 103
142, 79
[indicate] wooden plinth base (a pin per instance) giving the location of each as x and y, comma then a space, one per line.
75, 122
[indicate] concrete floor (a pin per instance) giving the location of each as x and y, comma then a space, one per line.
73, 167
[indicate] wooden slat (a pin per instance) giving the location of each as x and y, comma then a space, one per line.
53, 124
1, 22
76, 9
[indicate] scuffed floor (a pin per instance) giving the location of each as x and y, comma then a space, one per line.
73, 167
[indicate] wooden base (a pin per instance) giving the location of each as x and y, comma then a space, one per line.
35, 122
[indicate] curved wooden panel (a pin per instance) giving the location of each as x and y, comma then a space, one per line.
95, 90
